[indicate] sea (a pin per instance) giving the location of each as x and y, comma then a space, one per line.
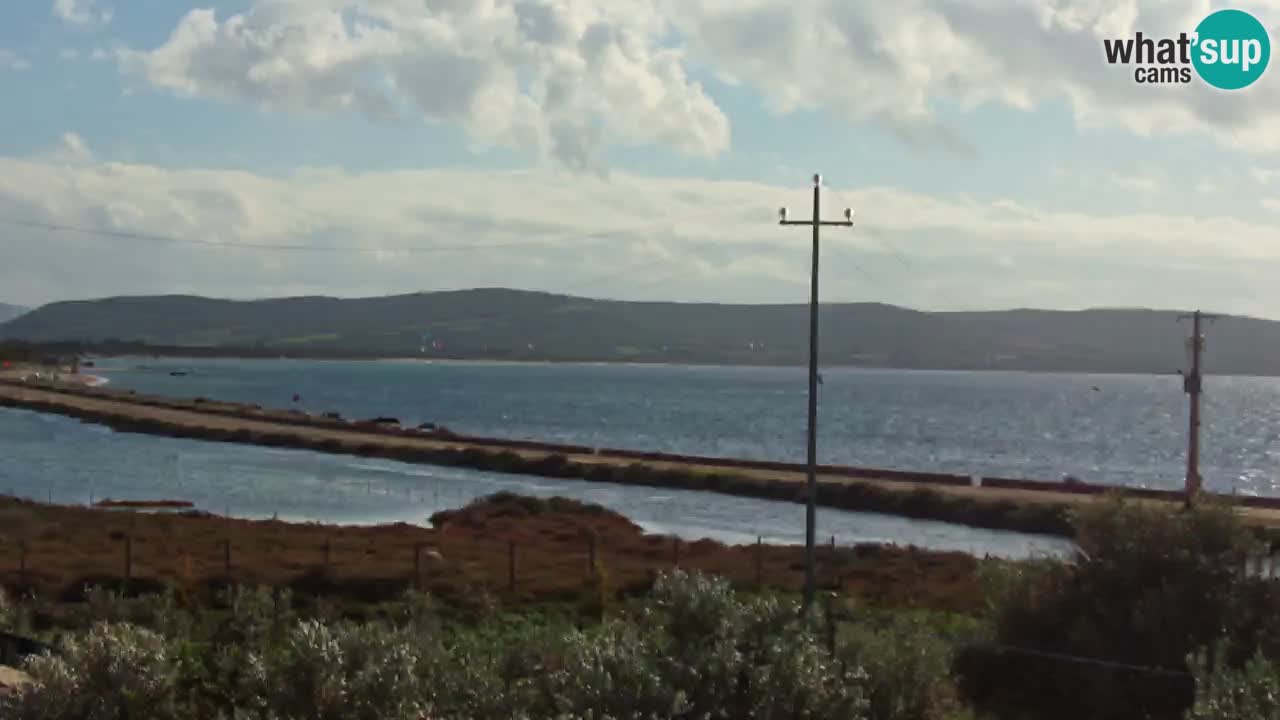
1115, 429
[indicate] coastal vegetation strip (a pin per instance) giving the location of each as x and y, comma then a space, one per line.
712, 631
520, 551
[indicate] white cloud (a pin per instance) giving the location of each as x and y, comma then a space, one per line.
72, 149
1208, 186
11, 60
898, 61
628, 236
565, 76
84, 13
569, 76
68, 54
1264, 175
1136, 183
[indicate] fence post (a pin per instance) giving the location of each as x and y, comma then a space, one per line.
759, 562
22, 561
511, 565
328, 549
417, 566
677, 552
831, 623
591, 554
128, 559
226, 561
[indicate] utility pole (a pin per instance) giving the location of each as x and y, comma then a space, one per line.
1192, 385
811, 509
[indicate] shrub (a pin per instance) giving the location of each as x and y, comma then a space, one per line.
345, 671
113, 671
695, 650
1148, 588
908, 666
8, 612
746, 659
1251, 692
610, 674
481, 676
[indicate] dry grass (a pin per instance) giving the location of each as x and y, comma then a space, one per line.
66, 548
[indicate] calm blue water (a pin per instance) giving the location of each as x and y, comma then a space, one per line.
50, 457
1131, 430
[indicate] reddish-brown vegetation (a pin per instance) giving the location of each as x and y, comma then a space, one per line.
56, 551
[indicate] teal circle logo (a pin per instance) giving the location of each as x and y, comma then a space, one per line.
1231, 49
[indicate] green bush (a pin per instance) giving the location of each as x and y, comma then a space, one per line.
753, 658
112, 671
8, 612
908, 667
1250, 692
694, 650
345, 671
1148, 587
610, 674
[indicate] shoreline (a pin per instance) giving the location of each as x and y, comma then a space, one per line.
177, 353
997, 504
28, 374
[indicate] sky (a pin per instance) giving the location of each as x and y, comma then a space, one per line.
630, 149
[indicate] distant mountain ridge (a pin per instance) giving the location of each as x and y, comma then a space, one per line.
523, 325
8, 312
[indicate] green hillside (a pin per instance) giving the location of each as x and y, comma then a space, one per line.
499, 323
8, 312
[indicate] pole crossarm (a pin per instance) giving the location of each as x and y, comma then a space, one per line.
811, 485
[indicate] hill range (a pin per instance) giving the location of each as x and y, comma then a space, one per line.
535, 326
9, 312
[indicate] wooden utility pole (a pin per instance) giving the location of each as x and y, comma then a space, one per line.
1192, 384
810, 519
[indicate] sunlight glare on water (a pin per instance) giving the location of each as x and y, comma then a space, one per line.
48, 457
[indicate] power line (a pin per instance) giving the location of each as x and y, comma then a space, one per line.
296, 247
1081, 660
172, 240
879, 236
663, 279
617, 274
